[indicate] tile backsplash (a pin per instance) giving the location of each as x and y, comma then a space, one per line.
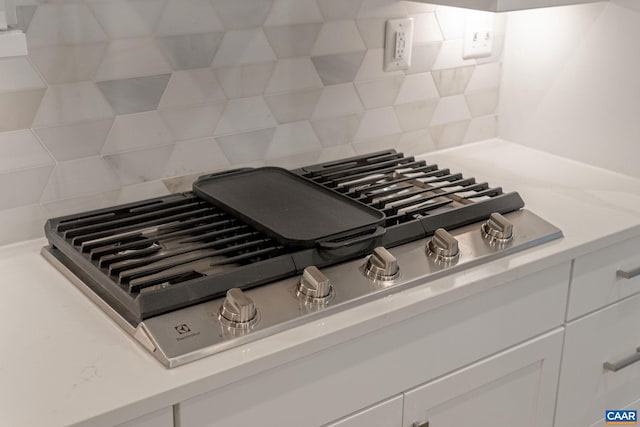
120, 100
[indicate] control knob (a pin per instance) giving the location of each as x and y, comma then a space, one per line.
497, 229
314, 285
238, 310
381, 265
443, 246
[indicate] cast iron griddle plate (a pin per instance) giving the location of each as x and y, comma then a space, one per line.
291, 209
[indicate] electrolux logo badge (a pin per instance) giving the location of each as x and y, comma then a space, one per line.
621, 417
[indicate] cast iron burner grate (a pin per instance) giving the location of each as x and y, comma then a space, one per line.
159, 255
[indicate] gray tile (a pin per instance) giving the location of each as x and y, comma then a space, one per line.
17, 109
25, 14
76, 140
340, 68
134, 95
293, 106
293, 40
133, 167
339, 9
452, 81
246, 147
68, 64
190, 50
338, 130
242, 14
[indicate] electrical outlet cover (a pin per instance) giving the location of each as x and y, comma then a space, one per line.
397, 44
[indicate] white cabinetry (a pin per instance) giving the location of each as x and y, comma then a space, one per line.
514, 388
385, 414
587, 389
161, 418
504, 5
343, 379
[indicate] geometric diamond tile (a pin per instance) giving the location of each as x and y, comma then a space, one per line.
70, 103
293, 106
192, 87
75, 140
127, 18
245, 80
68, 64
25, 15
293, 40
135, 57
188, 17
449, 134
339, 9
338, 37
136, 132
134, 95
242, 14
452, 81
17, 109
338, 68
64, 23
291, 12
243, 47
246, 147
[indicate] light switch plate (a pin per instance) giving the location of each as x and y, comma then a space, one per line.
397, 44
478, 34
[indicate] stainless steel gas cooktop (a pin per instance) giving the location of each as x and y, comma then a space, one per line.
248, 252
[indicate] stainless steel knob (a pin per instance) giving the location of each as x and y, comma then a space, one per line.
381, 265
313, 284
497, 229
443, 246
238, 310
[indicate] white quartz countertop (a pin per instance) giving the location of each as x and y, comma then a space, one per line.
64, 362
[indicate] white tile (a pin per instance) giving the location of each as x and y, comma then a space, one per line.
414, 7
21, 150
17, 74
449, 134
293, 40
417, 87
452, 81
371, 67
137, 131
293, 74
337, 130
379, 143
339, 68
68, 64
338, 100
75, 140
481, 128
416, 142
22, 223
486, 76
69, 179
338, 37
193, 122
138, 166
293, 106
64, 23
382, 9
245, 114
372, 32
188, 51
188, 17
296, 160
192, 87
423, 57
450, 109
141, 191
426, 29
81, 203
290, 12
450, 55
378, 122
451, 20
18, 109
336, 152
242, 14
379, 93
71, 103
30, 185
243, 47
197, 155
339, 9
246, 147
127, 18
482, 102
416, 115
128, 58
293, 138
245, 80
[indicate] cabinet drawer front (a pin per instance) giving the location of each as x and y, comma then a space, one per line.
356, 374
587, 389
161, 418
595, 280
513, 388
385, 414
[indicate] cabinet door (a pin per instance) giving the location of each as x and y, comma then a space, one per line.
587, 388
514, 388
385, 414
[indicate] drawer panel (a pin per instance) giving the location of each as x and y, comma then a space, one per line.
381, 364
385, 414
587, 389
595, 283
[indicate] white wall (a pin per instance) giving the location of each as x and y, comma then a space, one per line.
571, 83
